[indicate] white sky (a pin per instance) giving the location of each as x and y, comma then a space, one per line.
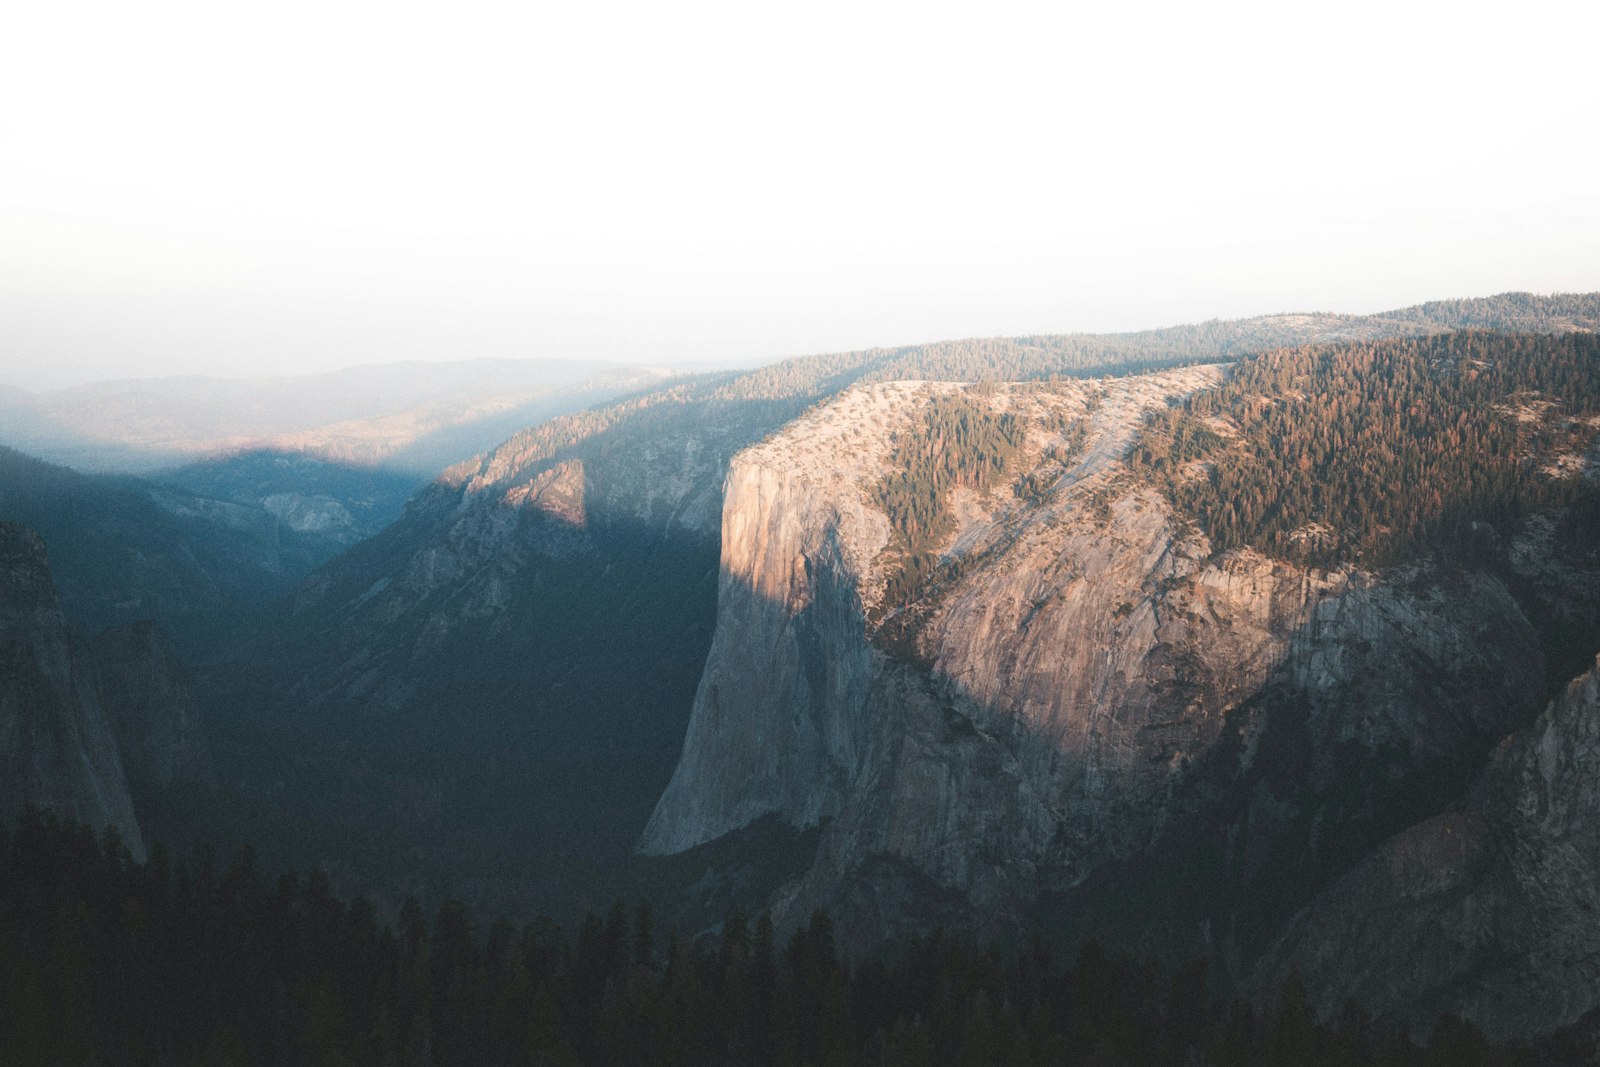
234, 188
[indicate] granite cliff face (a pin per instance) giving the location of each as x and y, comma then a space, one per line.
1088, 674
538, 619
650, 469
150, 702
1486, 910
57, 750
479, 554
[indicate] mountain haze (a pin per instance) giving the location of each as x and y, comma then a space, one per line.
1190, 641
125, 549
554, 600
412, 417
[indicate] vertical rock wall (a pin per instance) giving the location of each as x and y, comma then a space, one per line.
57, 749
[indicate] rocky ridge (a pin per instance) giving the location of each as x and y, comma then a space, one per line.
82, 719
1071, 690
651, 468
543, 613
57, 749
1485, 910
123, 549
150, 701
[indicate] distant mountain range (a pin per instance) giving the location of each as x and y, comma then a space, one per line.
412, 417
124, 548
194, 499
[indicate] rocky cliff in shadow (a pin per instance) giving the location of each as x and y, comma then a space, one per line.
150, 701
57, 748
1486, 910
80, 719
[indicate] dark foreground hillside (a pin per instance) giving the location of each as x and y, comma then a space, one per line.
106, 961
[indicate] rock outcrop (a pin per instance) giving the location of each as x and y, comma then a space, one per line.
650, 468
57, 749
1486, 910
548, 608
1087, 675
150, 702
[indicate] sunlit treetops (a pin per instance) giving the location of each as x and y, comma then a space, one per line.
1378, 452
958, 440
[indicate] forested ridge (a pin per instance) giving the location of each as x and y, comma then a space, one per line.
125, 548
1042, 356
1379, 452
770, 395
1507, 312
958, 440
106, 961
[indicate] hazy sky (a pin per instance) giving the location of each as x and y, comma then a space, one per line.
234, 188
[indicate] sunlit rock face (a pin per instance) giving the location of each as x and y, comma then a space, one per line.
1056, 701
57, 749
779, 716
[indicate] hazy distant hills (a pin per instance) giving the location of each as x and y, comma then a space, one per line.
125, 549
330, 505
416, 417
1043, 356
421, 417
290, 470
